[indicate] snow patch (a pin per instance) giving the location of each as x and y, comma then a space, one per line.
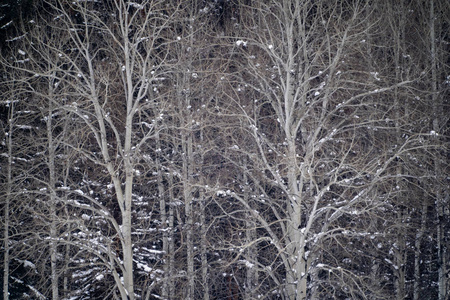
27, 263
144, 267
247, 264
99, 277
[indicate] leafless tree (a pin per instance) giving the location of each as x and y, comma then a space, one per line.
312, 125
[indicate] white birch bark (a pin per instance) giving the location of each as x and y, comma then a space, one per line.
204, 248
203, 229
171, 257
6, 210
52, 199
188, 161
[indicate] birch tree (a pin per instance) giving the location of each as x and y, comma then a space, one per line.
111, 60
311, 123
131, 30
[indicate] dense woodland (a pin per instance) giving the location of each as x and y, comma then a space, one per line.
225, 149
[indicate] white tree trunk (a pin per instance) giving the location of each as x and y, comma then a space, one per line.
171, 257
52, 200
204, 249
251, 257
188, 161
6, 208
297, 275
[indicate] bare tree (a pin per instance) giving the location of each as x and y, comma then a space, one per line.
310, 120
109, 63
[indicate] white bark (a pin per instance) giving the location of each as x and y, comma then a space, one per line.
188, 161
52, 199
203, 248
171, 257
6, 212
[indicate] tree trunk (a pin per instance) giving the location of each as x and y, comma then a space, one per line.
439, 197
399, 267
171, 257
204, 249
188, 160
127, 255
251, 255
417, 251
163, 216
126, 226
52, 202
297, 275
7, 204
